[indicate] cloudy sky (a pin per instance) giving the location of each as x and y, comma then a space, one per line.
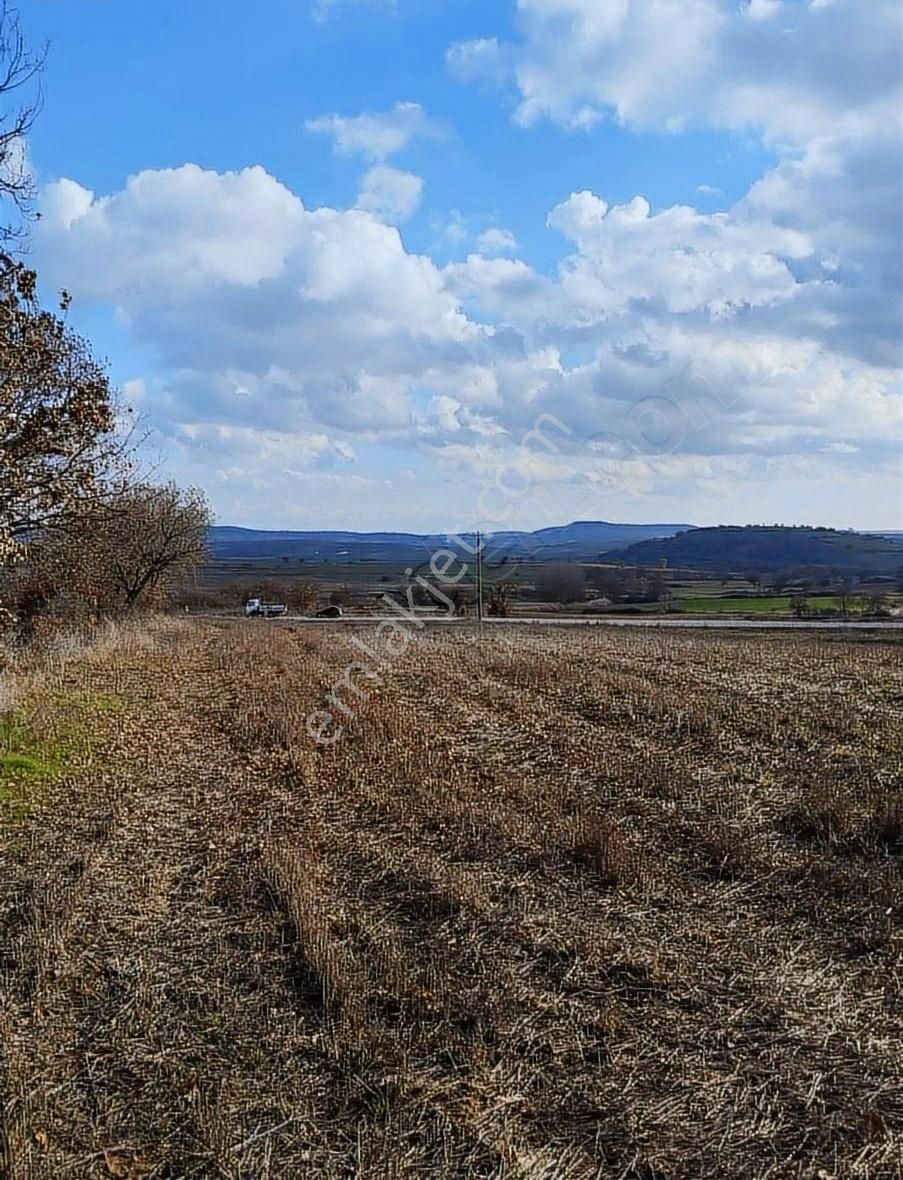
407, 264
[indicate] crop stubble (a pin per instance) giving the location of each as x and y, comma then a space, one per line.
557, 905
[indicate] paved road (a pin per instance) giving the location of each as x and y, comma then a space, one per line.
885, 625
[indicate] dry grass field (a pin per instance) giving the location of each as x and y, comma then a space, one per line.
556, 906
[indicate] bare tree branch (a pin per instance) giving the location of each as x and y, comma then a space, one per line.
20, 73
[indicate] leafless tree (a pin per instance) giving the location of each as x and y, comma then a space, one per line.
799, 605
877, 603
129, 546
152, 535
20, 101
844, 596
501, 595
126, 548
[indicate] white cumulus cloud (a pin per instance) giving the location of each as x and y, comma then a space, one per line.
376, 135
290, 340
389, 193
685, 259
790, 69
497, 241
315, 315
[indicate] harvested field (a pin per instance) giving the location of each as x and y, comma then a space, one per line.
556, 905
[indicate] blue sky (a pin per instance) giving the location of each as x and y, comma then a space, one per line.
344, 256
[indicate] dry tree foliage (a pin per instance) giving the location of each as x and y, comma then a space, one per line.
129, 545
556, 906
56, 413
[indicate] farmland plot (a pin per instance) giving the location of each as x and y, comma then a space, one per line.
551, 905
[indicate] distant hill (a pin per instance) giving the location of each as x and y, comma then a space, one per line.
770, 549
583, 540
588, 538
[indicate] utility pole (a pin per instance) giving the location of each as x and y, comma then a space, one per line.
479, 577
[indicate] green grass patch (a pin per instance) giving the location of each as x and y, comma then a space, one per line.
24, 764
22, 776
31, 758
763, 604
101, 702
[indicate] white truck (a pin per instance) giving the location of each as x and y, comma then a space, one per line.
257, 608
